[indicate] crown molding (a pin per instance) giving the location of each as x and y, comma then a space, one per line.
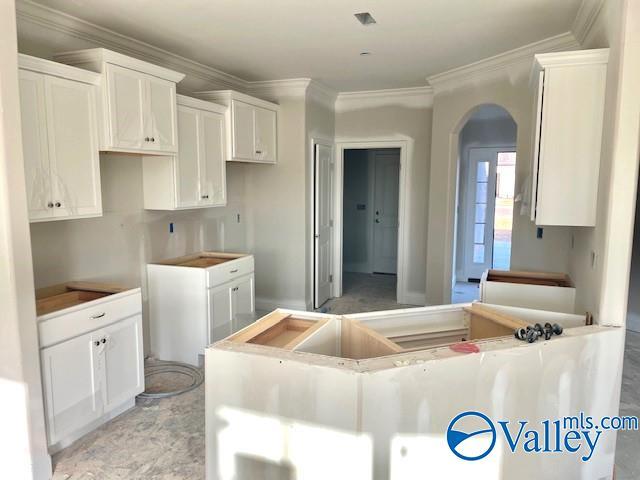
322, 94
274, 90
40, 65
586, 18
33, 13
409, 97
490, 66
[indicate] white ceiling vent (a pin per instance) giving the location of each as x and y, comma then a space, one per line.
365, 18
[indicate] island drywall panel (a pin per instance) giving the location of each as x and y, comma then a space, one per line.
406, 410
370, 121
600, 260
509, 88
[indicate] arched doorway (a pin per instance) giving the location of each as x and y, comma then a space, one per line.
485, 196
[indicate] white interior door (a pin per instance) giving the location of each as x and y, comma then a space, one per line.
385, 218
480, 211
322, 224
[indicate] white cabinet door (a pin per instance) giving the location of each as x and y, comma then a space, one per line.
187, 161
265, 135
243, 299
213, 166
35, 145
123, 361
220, 312
160, 123
71, 384
73, 147
243, 130
126, 93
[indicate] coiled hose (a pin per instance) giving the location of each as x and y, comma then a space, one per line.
158, 367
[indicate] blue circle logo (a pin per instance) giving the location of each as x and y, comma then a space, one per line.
477, 424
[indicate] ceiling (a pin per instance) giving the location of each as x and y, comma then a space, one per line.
276, 39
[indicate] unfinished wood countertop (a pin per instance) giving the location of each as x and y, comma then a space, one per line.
58, 297
202, 259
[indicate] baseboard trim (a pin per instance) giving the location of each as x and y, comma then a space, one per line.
269, 304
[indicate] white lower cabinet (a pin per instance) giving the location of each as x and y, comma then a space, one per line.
71, 384
231, 307
92, 363
197, 300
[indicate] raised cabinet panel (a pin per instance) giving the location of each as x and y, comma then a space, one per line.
161, 115
187, 162
34, 145
265, 135
71, 385
73, 148
126, 116
123, 361
213, 165
220, 313
243, 130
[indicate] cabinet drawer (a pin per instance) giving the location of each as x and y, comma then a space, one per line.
55, 328
229, 271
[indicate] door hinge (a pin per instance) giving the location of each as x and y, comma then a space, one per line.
330, 278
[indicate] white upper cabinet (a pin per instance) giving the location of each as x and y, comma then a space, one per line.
60, 140
253, 126
196, 176
569, 107
138, 102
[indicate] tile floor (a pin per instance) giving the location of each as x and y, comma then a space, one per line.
164, 439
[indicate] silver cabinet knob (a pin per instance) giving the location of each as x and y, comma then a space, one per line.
205, 196
153, 139
146, 139
258, 152
50, 204
58, 204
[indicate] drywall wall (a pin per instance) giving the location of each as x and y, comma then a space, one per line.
603, 288
117, 246
276, 214
378, 118
507, 87
477, 132
23, 440
356, 230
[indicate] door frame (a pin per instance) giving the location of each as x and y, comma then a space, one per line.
403, 200
312, 224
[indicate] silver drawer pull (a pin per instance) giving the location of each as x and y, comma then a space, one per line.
98, 315
235, 270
